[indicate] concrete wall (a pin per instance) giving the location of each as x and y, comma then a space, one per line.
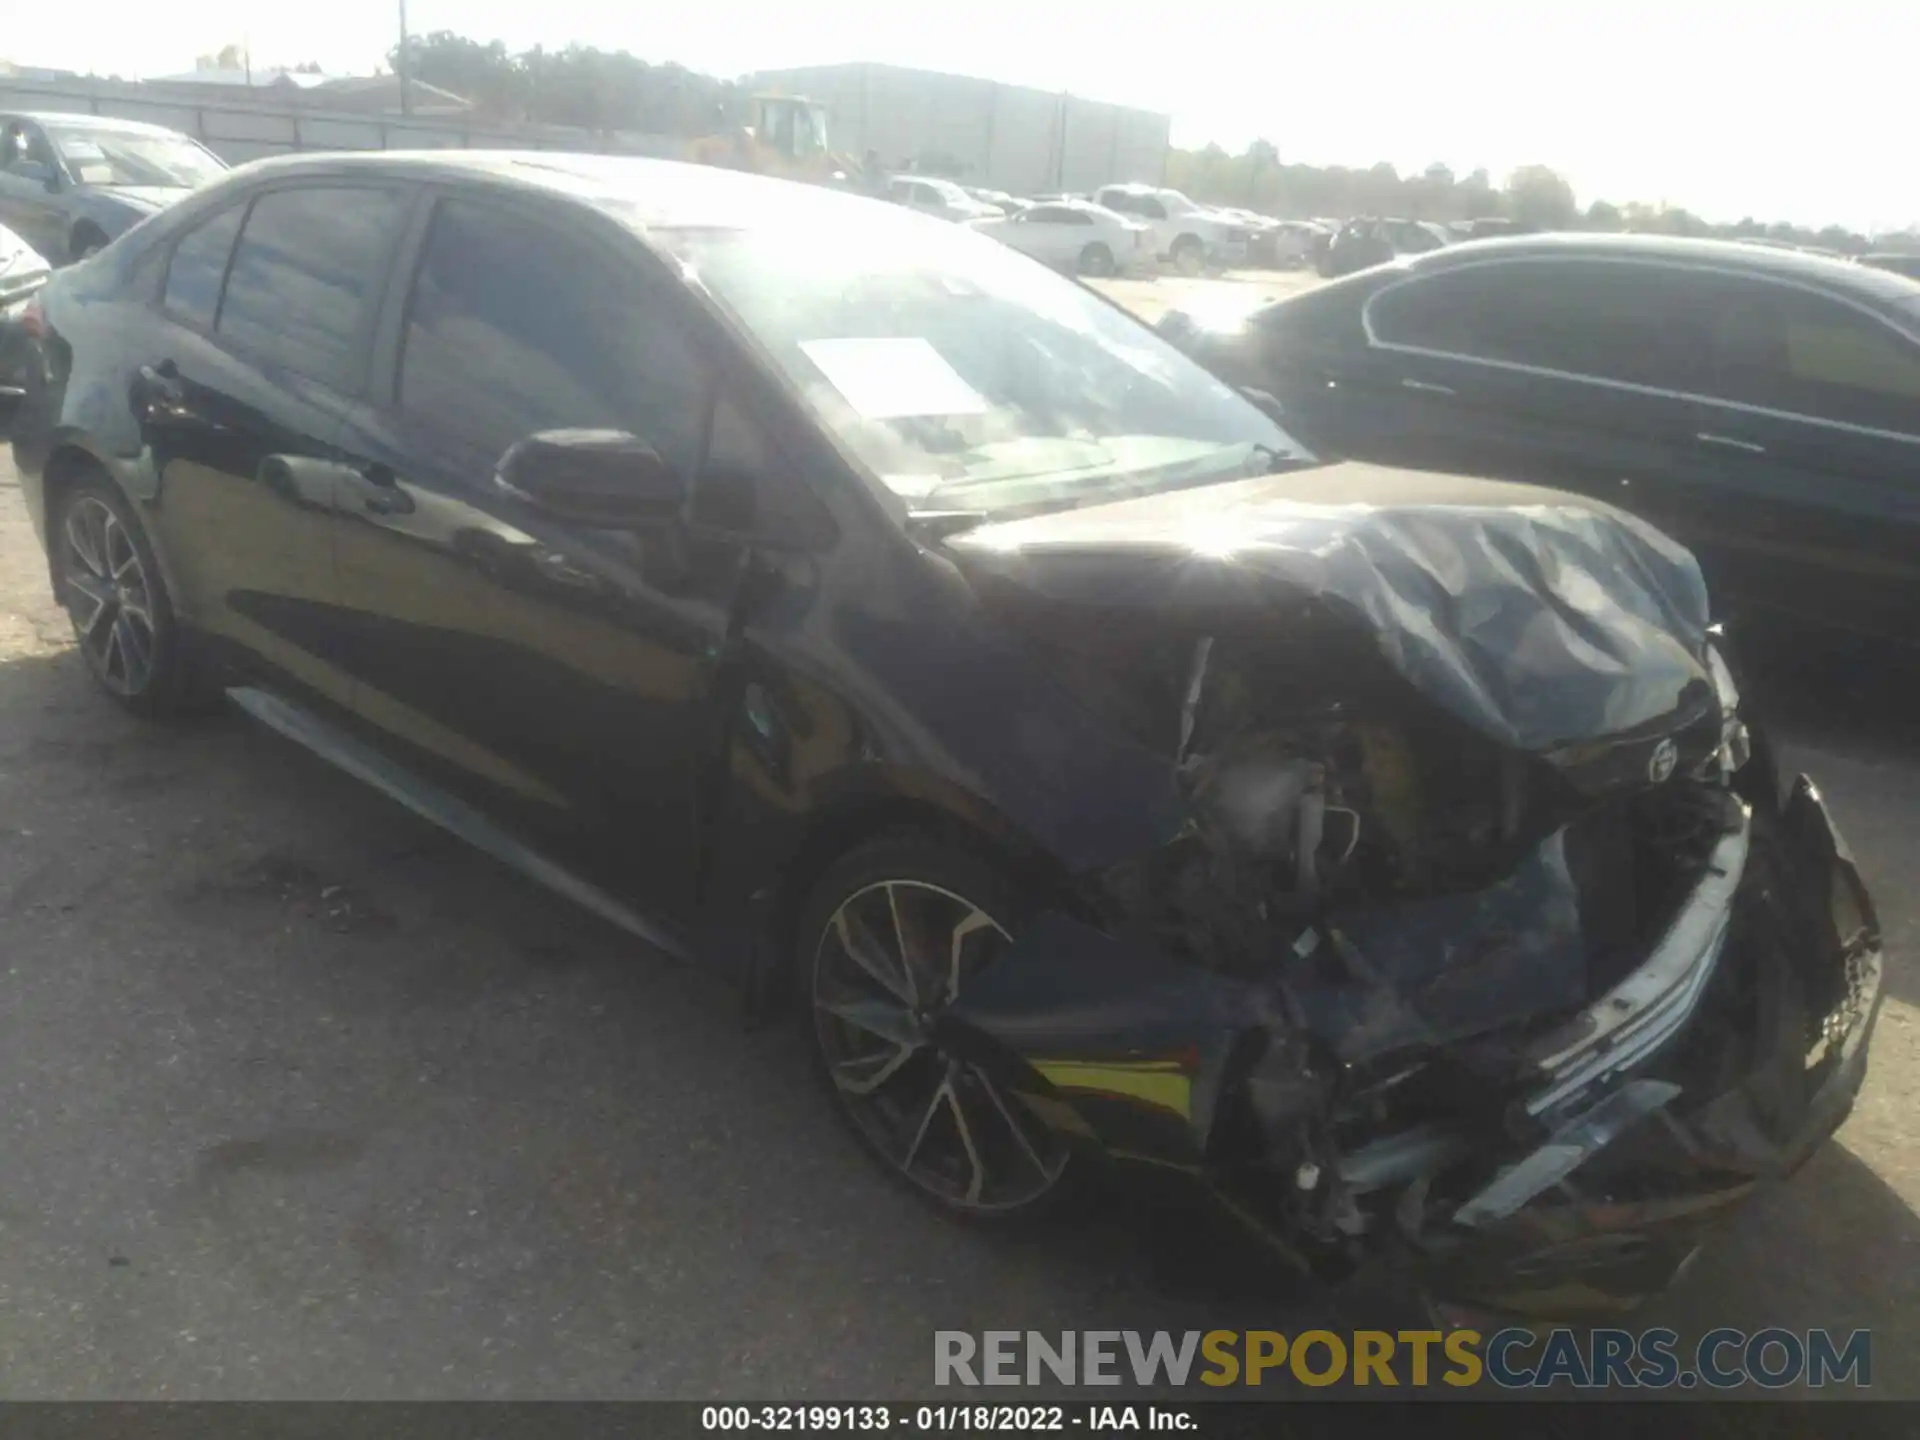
1007, 137
238, 129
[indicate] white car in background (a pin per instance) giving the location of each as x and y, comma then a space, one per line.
1190, 235
931, 195
1074, 235
999, 199
23, 270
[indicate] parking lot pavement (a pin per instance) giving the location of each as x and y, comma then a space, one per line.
1152, 298
300, 1098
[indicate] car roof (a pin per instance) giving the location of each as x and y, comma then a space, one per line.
1830, 272
642, 193
63, 118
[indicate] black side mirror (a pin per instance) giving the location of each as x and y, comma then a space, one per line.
605, 478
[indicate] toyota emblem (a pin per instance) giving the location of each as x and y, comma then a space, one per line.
1661, 762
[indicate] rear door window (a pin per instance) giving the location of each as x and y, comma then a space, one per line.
1631, 324
1783, 348
307, 276
198, 266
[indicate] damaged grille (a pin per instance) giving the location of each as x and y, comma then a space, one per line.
1648, 1006
1420, 889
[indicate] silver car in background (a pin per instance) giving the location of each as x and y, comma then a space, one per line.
72, 184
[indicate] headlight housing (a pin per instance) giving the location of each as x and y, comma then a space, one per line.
1736, 745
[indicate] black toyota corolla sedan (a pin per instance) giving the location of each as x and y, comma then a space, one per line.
838, 596
1762, 406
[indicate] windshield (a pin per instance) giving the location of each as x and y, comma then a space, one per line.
966, 376
127, 157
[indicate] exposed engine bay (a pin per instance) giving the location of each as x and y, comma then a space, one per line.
1459, 914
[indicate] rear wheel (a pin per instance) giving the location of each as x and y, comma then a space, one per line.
110, 584
1096, 260
87, 242
1189, 256
891, 937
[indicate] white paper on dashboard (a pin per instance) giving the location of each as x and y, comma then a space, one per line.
892, 378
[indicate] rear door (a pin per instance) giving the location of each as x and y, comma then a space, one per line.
1810, 427
1564, 372
266, 313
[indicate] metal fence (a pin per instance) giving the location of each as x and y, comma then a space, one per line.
241, 129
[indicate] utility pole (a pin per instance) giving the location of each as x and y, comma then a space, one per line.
404, 64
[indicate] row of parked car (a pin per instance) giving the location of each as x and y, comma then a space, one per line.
1119, 227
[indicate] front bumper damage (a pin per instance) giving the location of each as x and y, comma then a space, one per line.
1573, 1169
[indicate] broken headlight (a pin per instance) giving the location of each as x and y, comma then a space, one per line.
1736, 746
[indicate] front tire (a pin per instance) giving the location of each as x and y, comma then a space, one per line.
107, 579
87, 242
888, 939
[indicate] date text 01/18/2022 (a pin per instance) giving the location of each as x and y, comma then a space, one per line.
942, 1419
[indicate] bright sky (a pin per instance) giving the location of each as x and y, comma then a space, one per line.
1801, 112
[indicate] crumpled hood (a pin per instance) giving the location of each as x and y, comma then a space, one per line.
1540, 619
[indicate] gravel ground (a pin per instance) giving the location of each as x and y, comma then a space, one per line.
300, 1099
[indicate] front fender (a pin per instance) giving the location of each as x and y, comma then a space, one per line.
111, 217
1107, 1040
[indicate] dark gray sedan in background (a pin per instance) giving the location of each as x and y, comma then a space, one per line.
69, 184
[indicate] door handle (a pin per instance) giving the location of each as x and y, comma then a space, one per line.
1427, 387
1730, 442
159, 385
163, 379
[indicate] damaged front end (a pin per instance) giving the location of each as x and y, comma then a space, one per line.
1486, 938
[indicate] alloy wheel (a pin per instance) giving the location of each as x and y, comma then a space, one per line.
888, 962
108, 597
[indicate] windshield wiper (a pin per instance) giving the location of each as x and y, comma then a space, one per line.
1278, 459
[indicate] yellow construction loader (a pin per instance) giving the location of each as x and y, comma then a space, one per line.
785, 136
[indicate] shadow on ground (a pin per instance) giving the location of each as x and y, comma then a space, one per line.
368, 1115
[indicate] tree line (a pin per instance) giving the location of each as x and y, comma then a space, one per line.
580, 85
594, 89
1534, 194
